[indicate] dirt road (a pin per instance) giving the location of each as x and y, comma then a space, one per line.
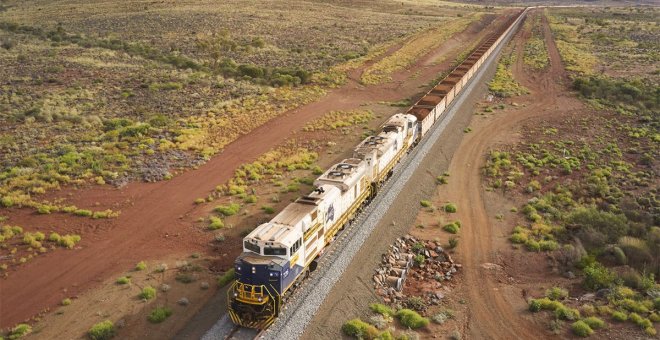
157, 219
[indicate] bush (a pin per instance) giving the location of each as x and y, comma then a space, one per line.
102, 330
20, 331
450, 208
548, 245
227, 277
268, 209
147, 293
581, 328
216, 223
536, 305
611, 225
411, 319
556, 293
597, 276
451, 228
123, 280
159, 314
381, 309
228, 210
619, 316
565, 313
594, 322
359, 329
66, 302
425, 203
83, 212
532, 245
141, 266
54, 237
453, 242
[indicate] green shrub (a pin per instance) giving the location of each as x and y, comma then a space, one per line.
565, 313
411, 319
83, 212
228, 210
535, 305
450, 208
650, 331
633, 306
453, 242
452, 228
548, 245
66, 302
359, 329
597, 276
518, 238
227, 277
619, 316
102, 331
147, 293
141, 266
419, 259
556, 293
381, 309
54, 237
268, 209
425, 203
532, 245
581, 328
215, 223
594, 322
159, 314
251, 199
20, 331
123, 280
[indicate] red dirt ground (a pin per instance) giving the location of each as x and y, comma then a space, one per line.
157, 219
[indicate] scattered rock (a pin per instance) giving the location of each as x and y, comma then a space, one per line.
398, 265
569, 274
165, 287
204, 285
183, 301
120, 323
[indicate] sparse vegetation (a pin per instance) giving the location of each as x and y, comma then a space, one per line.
141, 266
159, 314
226, 278
20, 331
147, 293
411, 319
102, 331
124, 280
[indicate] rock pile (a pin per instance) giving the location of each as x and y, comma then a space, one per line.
422, 262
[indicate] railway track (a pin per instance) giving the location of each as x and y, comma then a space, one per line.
306, 300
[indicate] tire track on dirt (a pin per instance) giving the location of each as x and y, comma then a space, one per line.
492, 315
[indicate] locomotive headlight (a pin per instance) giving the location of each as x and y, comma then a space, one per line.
260, 299
235, 294
270, 274
238, 268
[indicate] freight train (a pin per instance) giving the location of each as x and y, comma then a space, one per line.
279, 254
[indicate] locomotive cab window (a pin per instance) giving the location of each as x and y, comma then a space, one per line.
252, 247
295, 246
274, 251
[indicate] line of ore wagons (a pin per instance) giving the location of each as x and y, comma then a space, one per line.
431, 106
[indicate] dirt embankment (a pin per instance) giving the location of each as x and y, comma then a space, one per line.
157, 219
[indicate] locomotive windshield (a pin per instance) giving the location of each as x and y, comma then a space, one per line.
274, 251
252, 247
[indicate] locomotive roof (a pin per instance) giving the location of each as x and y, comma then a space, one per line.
381, 143
343, 175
